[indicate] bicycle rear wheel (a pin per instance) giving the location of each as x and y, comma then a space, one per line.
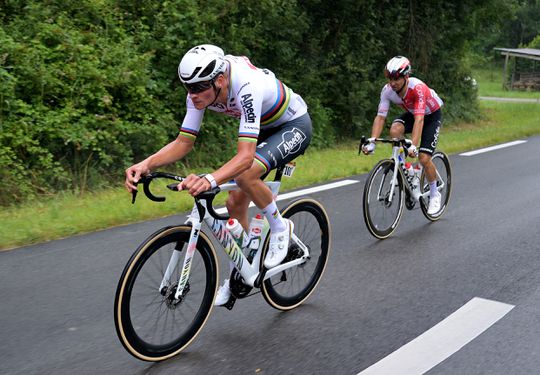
444, 177
151, 324
290, 288
382, 212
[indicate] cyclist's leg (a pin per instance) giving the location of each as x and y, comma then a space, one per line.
252, 187
237, 206
402, 125
430, 138
286, 143
250, 183
276, 148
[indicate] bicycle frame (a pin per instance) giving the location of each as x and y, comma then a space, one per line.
398, 155
250, 272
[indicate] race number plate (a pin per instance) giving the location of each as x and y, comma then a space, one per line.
289, 169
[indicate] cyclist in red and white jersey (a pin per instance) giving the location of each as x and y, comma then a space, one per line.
274, 128
422, 118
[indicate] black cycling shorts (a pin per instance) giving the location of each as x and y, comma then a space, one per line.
278, 146
430, 131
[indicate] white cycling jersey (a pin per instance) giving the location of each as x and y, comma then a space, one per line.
255, 96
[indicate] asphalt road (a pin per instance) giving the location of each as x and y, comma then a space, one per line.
56, 309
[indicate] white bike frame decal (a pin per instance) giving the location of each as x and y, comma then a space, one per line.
192, 246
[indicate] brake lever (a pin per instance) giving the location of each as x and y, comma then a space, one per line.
362, 143
133, 196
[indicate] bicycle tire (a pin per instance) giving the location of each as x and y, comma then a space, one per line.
442, 163
163, 328
382, 225
292, 287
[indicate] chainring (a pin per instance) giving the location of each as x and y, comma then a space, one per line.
238, 288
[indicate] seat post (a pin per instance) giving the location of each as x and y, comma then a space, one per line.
279, 173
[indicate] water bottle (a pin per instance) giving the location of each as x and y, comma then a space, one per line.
417, 171
235, 228
410, 171
255, 234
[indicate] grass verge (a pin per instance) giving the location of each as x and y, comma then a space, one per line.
68, 214
490, 83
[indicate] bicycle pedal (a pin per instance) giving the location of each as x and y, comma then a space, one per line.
230, 303
409, 204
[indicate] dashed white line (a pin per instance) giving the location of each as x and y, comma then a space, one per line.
492, 148
441, 341
299, 193
316, 189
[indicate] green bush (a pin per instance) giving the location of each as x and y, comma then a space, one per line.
88, 87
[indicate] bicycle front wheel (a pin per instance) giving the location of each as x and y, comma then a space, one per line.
382, 206
444, 184
150, 322
290, 288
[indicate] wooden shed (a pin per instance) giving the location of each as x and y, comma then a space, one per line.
520, 80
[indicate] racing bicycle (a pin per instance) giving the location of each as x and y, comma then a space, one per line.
167, 289
390, 187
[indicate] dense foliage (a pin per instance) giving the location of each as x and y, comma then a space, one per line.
90, 86
511, 24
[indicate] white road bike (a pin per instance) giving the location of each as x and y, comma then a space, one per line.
389, 188
167, 289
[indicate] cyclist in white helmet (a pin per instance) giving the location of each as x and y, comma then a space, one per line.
274, 128
422, 118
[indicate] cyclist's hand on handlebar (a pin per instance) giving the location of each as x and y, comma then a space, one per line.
195, 185
369, 147
133, 175
413, 151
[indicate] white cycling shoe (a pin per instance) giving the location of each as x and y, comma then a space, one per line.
434, 204
223, 294
279, 246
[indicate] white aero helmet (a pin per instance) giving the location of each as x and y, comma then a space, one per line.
398, 66
201, 63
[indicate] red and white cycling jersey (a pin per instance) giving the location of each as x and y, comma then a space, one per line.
419, 99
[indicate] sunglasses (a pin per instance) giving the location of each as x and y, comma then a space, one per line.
194, 88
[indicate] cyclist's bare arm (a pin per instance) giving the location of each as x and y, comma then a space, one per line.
170, 153
240, 163
376, 130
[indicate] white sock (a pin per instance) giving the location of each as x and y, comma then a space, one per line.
433, 189
277, 224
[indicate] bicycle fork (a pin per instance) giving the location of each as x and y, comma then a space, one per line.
398, 156
225, 238
186, 266
196, 223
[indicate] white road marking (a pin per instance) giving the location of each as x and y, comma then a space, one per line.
492, 148
441, 341
298, 193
